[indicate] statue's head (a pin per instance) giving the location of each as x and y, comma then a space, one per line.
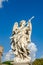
22, 23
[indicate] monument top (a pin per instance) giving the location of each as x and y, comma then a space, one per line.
1, 49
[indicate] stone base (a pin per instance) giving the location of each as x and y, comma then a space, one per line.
20, 63
4, 64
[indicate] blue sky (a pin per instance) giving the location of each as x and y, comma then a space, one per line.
17, 10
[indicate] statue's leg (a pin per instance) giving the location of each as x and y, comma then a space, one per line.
24, 49
26, 56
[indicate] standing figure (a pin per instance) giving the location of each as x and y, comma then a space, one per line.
20, 39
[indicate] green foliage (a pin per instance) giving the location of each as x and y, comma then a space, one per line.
38, 62
7, 62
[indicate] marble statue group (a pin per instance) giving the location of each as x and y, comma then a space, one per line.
20, 39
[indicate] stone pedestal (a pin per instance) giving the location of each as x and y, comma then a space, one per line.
4, 64
20, 63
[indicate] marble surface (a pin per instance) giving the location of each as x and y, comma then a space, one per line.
21, 63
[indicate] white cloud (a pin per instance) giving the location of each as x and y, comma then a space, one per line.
8, 56
1, 1
33, 50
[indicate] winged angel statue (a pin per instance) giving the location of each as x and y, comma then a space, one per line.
20, 39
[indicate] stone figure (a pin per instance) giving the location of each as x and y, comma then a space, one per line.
1, 53
20, 39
